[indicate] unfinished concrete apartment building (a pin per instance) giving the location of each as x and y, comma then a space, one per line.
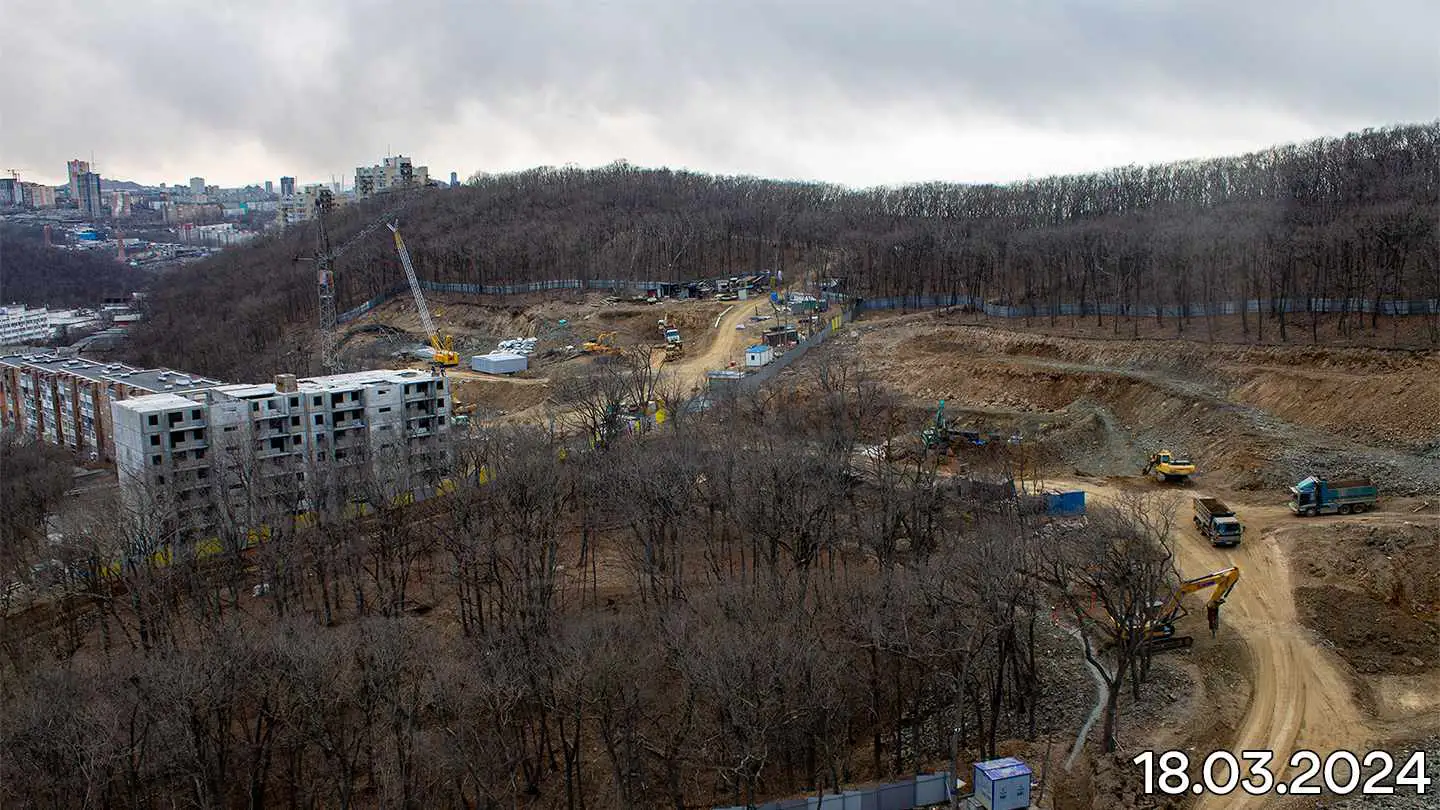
65, 399
242, 454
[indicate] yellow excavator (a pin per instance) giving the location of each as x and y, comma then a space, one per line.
1167, 466
604, 343
1162, 630
443, 345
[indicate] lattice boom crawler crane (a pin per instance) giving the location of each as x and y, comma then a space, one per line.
444, 345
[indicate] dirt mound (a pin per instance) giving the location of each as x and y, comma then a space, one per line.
1373, 591
1396, 407
494, 397
1395, 563
1373, 637
1251, 416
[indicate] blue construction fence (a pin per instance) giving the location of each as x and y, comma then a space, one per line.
500, 289
1300, 304
925, 790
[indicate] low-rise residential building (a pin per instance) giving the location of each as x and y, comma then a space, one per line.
65, 399
249, 452
68, 322
19, 323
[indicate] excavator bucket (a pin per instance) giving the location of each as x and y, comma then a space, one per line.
1212, 618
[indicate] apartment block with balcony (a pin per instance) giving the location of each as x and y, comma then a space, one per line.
19, 323
278, 447
393, 172
63, 398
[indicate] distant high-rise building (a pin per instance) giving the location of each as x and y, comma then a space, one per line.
287, 187
75, 168
454, 179
10, 191
89, 195
269, 187
393, 172
197, 186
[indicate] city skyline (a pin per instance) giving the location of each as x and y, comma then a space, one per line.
860, 95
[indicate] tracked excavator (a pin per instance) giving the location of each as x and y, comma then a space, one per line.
603, 344
1167, 466
1161, 632
937, 436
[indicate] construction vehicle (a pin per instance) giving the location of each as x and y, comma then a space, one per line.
1217, 522
603, 344
674, 346
444, 345
937, 435
1161, 632
1315, 496
1167, 466
460, 415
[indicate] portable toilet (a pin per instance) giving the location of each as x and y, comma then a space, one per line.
1003, 784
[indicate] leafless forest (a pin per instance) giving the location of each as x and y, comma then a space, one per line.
1344, 218
739, 606
33, 274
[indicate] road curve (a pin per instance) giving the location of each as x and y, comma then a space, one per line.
1300, 697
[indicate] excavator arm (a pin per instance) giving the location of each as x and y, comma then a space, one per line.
1223, 581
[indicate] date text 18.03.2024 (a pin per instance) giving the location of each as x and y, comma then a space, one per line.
1341, 773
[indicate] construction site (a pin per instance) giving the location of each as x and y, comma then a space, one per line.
1298, 487
748, 541
1330, 640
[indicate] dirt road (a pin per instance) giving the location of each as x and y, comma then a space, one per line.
1300, 696
728, 342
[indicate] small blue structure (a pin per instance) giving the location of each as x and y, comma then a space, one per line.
1003, 784
1065, 504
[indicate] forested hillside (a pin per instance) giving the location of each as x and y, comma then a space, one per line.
1351, 217
33, 274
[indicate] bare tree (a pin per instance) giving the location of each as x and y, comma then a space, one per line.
1113, 576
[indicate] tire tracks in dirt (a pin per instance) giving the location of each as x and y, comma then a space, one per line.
690, 372
1300, 697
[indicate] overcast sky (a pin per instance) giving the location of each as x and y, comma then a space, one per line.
860, 93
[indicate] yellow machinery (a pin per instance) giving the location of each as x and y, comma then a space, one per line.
604, 343
1167, 466
1162, 630
444, 345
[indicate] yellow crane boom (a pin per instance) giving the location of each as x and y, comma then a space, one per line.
445, 354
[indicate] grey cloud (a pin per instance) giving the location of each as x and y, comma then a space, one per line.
321, 86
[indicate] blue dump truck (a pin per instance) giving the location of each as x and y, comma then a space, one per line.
1316, 496
1217, 522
